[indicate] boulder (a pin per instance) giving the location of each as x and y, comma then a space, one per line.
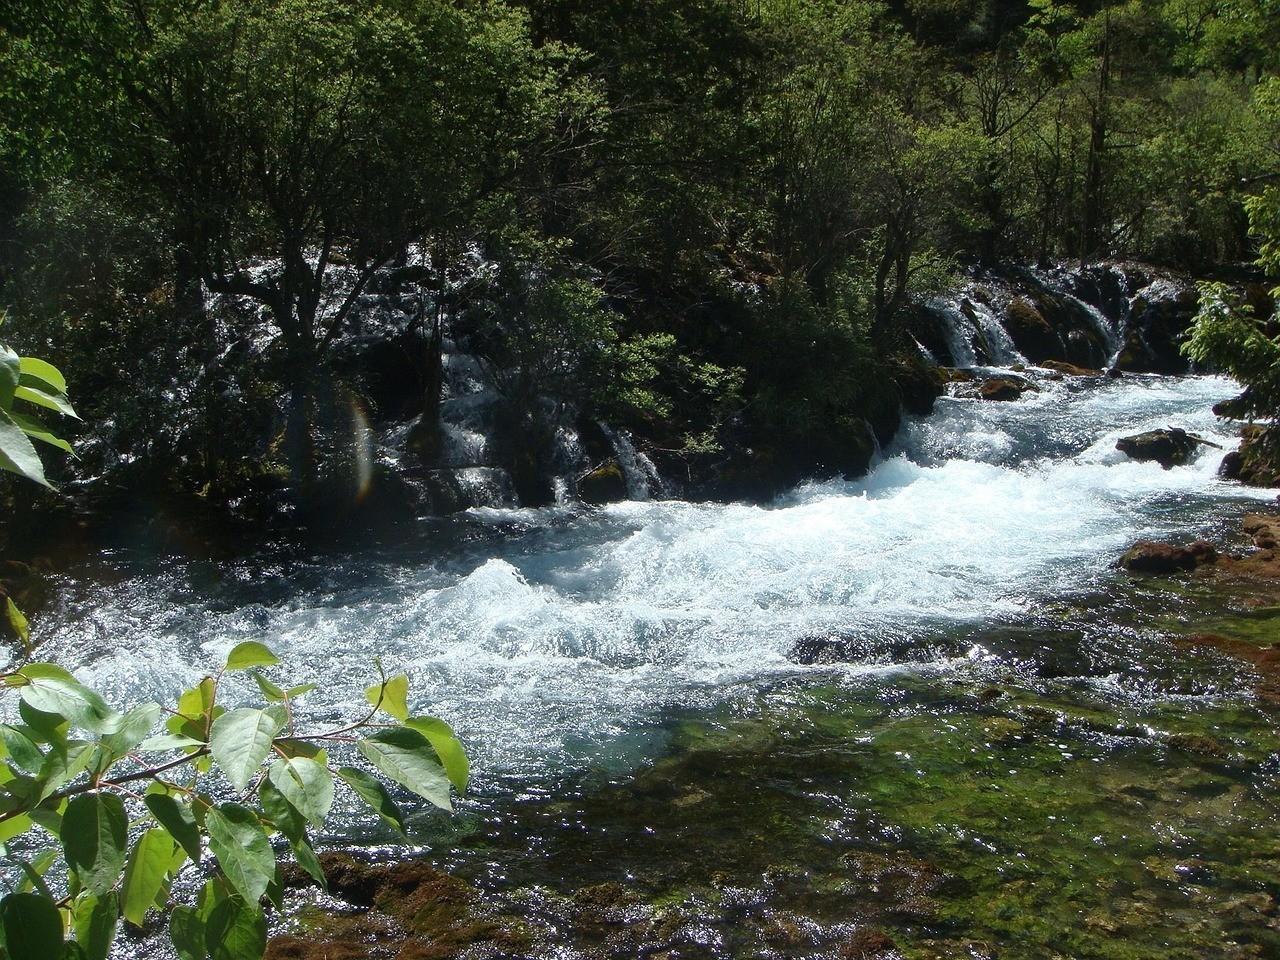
1070, 369
999, 388
1030, 331
605, 484
1148, 556
1169, 448
1264, 528
1257, 462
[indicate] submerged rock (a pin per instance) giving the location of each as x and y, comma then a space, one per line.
1147, 556
1169, 448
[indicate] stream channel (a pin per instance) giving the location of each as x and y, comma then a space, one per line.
919, 714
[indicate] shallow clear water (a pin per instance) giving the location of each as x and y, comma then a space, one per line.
585, 654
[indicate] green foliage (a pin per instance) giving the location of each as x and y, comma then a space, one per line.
219, 785
1228, 336
39, 384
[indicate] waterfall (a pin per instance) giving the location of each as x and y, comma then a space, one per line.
973, 332
637, 469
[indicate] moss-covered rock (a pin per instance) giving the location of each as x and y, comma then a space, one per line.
605, 484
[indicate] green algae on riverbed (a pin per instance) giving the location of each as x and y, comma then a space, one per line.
904, 815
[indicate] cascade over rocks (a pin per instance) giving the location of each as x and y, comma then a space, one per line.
1086, 316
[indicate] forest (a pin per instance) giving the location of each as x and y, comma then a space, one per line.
612, 380
704, 222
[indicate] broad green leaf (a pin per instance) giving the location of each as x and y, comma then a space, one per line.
372, 792
24, 751
292, 747
31, 390
250, 654
305, 784
61, 766
95, 837
175, 816
299, 690
447, 746
286, 817
186, 930
137, 723
94, 920
308, 861
144, 875
48, 818
44, 727
83, 707
237, 839
391, 696
194, 709
17, 453
169, 741
36, 430
236, 931
32, 927
240, 741
269, 690
408, 758
14, 827
31, 670
17, 622
33, 876
10, 374
43, 370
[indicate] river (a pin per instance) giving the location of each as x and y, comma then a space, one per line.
964, 586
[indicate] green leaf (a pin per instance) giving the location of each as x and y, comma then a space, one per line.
237, 839
38, 431
33, 390
17, 453
299, 690
145, 873
269, 690
305, 784
286, 817
135, 725
46, 727
308, 861
186, 930
17, 622
10, 374
250, 654
32, 927
391, 696
195, 707
40, 369
240, 741
236, 931
64, 765
94, 837
169, 741
408, 758
447, 746
13, 827
372, 792
24, 751
94, 920
176, 817
82, 706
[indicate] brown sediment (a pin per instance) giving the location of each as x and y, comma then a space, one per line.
1261, 569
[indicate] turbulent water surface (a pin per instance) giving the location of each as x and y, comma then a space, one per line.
579, 651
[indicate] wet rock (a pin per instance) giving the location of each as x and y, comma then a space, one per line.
1070, 369
1257, 462
1263, 528
1233, 408
1147, 556
1031, 333
1169, 448
955, 375
998, 388
605, 484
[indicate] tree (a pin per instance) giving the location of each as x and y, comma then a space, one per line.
297, 148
